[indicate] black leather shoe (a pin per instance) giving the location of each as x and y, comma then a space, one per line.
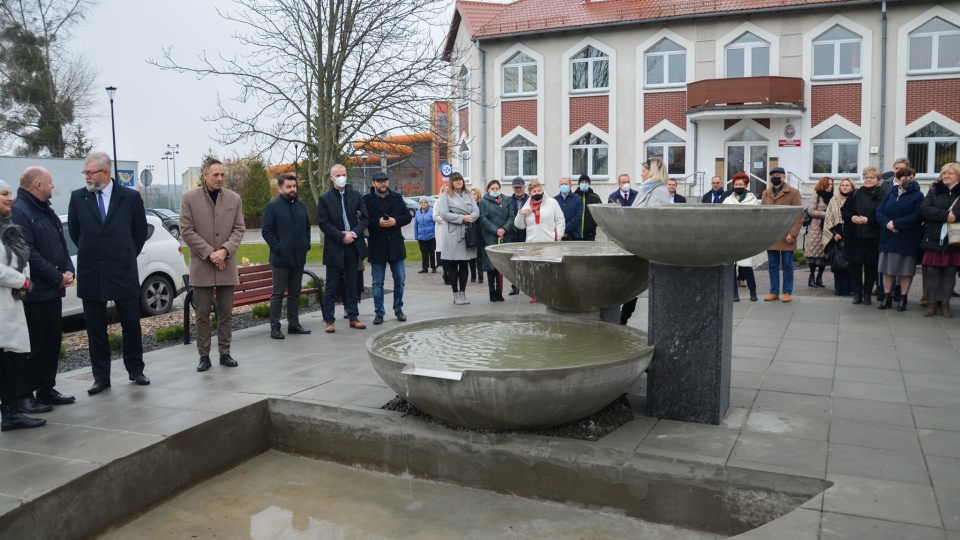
378, 319
98, 386
275, 333
400, 316
866, 300
514, 292
297, 329
424, 271
140, 379
857, 299
227, 361
204, 363
51, 397
30, 405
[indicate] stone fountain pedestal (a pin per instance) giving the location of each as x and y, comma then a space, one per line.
690, 321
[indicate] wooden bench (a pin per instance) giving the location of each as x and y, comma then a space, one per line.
256, 286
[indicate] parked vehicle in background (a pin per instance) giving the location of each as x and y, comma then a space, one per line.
170, 219
160, 265
412, 206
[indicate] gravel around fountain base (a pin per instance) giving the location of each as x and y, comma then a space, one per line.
591, 428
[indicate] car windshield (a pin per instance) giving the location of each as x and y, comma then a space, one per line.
165, 213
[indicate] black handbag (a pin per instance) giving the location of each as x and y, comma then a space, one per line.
839, 262
472, 235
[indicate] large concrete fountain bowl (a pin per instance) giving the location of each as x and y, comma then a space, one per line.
572, 276
695, 234
510, 372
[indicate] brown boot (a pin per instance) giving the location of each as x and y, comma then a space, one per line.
931, 310
945, 309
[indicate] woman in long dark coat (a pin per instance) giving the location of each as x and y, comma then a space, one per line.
940, 258
901, 229
861, 234
496, 222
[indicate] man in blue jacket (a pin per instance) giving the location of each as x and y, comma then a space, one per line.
51, 271
286, 230
386, 215
572, 207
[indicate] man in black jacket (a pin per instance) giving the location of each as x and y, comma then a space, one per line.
51, 271
386, 216
286, 230
588, 227
716, 194
672, 190
342, 218
518, 199
108, 224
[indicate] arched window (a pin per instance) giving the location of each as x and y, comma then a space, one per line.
836, 54
519, 75
666, 65
935, 48
836, 151
463, 85
464, 151
671, 149
588, 155
590, 70
748, 56
519, 158
931, 147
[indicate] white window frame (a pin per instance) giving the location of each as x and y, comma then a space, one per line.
748, 54
521, 151
668, 57
834, 145
520, 67
464, 151
930, 165
589, 148
665, 152
836, 43
935, 49
463, 85
590, 65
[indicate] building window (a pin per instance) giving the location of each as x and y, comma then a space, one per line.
588, 155
463, 84
748, 56
671, 149
836, 151
932, 147
465, 161
666, 65
520, 158
836, 54
590, 70
519, 75
935, 48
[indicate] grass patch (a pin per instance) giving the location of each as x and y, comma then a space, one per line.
115, 341
260, 311
169, 333
304, 300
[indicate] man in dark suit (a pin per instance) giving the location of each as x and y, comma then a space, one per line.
387, 214
342, 218
672, 190
716, 194
286, 229
108, 224
518, 199
624, 196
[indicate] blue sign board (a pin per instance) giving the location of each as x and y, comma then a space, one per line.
127, 177
446, 169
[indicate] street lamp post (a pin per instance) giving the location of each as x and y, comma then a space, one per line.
167, 157
173, 151
296, 158
111, 90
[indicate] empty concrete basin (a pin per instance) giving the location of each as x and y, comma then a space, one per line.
695, 234
572, 276
503, 372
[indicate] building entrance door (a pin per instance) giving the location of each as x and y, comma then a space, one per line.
747, 152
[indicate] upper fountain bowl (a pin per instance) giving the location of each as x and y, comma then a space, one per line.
572, 276
695, 234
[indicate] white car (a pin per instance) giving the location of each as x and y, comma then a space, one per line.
160, 265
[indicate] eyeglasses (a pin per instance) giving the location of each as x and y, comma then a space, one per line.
91, 173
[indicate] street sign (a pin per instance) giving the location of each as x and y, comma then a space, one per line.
126, 178
146, 177
446, 169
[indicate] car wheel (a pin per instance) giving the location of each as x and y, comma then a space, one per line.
413, 213
156, 295
175, 232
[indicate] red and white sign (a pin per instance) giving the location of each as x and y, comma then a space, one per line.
790, 143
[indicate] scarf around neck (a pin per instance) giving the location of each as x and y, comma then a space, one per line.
10, 236
535, 206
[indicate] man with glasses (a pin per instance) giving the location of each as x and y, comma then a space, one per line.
108, 224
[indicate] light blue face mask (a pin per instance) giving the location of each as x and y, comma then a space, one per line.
584, 187
564, 189
494, 194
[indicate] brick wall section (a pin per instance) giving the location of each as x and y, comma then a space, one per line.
830, 99
590, 110
464, 120
660, 106
522, 113
941, 95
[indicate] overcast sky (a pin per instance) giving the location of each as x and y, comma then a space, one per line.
154, 108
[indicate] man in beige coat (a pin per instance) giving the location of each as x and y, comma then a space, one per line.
780, 255
211, 224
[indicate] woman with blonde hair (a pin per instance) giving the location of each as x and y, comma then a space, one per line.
861, 233
832, 236
653, 188
457, 209
813, 250
540, 216
941, 259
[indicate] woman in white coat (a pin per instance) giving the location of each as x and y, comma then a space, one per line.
14, 335
457, 209
741, 195
540, 216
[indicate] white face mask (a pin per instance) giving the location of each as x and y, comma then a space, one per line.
340, 181
625, 188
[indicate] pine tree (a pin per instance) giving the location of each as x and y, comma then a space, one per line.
256, 193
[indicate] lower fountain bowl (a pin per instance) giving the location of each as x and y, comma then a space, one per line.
502, 372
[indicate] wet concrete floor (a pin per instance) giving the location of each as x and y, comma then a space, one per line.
277, 496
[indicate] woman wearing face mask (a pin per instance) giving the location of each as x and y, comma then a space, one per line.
14, 336
474, 262
541, 217
939, 208
457, 208
744, 197
901, 230
832, 236
496, 221
813, 248
861, 234
653, 189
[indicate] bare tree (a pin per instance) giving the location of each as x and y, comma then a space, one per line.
45, 87
322, 73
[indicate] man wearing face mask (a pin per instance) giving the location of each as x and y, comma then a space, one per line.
588, 227
386, 214
780, 255
342, 217
624, 196
286, 229
572, 207
517, 200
